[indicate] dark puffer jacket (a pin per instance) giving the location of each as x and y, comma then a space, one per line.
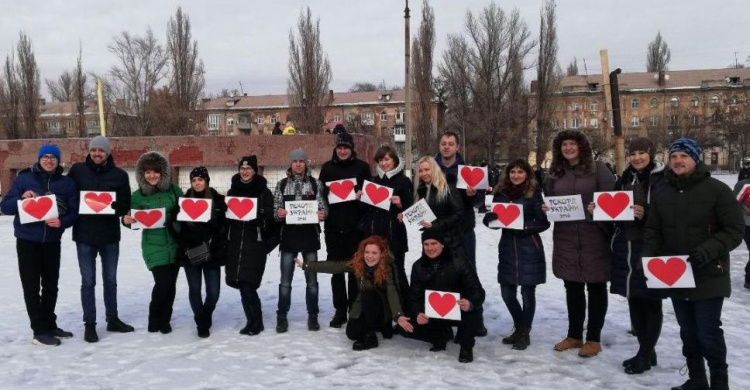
444, 273
42, 183
580, 252
628, 279
379, 222
451, 175
246, 250
192, 234
101, 229
695, 214
449, 213
521, 253
299, 238
344, 216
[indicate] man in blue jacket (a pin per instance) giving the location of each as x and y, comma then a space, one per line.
38, 243
100, 234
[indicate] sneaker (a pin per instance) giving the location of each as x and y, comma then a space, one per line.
338, 320
89, 333
61, 334
115, 325
46, 340
568, 343
466, 355
282, 325
312, 323
590, 349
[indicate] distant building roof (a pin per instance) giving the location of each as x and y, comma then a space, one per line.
281, 101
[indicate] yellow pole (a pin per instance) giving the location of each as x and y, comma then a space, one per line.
102, 123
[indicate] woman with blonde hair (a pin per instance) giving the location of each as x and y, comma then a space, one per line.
444, 201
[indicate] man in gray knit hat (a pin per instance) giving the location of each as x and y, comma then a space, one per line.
100, 234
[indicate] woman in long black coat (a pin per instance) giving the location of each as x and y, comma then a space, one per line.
246, 248
520, 252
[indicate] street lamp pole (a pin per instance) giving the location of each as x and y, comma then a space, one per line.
407, 91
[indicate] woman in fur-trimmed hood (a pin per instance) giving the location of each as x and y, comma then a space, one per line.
585, 153
159, 248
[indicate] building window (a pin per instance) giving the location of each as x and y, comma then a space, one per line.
654, 121
399, 117
71, 125
654, 102
274, 119
383, 116
574, 106
399, 131
92, 125
594, 123
574, 123
594, 106
230, 121
714, 100
213, 122
673, 120
350, 118
555, 124
635, 121
53, 127
634, 104
693, 119
368, 116
694, 102
733, 101
337, 118
674, 102
260, 120
244, 119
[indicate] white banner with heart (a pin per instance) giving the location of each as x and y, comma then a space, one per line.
148, 219
668, 272
97, 202
377, 195
442, 304
37, 209
341, 191
194, 210
241, 208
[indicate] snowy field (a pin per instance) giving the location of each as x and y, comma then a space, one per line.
320, 360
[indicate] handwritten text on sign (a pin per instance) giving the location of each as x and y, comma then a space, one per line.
37, 209
565, 208
442, 304
301, 212
668, 272
417, 213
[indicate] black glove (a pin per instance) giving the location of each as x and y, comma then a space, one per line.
62, 207
489, 217
698, 260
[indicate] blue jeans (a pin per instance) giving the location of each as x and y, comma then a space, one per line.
285, 287
700, 330
522, 317
87, 263
195, 275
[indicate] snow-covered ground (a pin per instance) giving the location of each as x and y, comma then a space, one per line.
324, 359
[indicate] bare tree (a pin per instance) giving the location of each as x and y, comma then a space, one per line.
363, 86
657, 55
572, 68
29, 80
309, 74
80, 94
10, 100
422, 51
187, 73
141, 65
62, 89
548, 76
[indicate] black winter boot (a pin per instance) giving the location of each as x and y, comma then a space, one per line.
338, 319
652, 360
513, 336
257, 323
312, 322
282, 325
116, 325
719, 379
368, 342
466, 355
697, 374
523, 341
89, 334
203, 327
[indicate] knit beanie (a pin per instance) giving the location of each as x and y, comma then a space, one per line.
251, 161
433, 234
100, 142
201, 172
643, 144
688, 146
297, 154
49, 149
344, 139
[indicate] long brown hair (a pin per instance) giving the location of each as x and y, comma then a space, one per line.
530, 182
357, 263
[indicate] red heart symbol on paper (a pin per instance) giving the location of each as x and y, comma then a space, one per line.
442, 304
613, 205
37, 208
342, 189
668, 272
194, 208
472, 176
147, 218
97, 202
376, 193
506, 215
240, 207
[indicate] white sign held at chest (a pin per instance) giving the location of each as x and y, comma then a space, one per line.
301, 212
441, 304
148, 219
613, 206
37, 209
417, 213
509, 216
474, 177
668, 272
97, 202
341, 191
376, 195
565, 208
241, 208
194, 210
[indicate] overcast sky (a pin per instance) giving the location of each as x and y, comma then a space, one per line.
247, 41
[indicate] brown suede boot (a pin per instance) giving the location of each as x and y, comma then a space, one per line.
568, 343
590, 349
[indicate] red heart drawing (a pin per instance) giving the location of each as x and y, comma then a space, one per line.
342, 189
37, 208
97, 202
240, 207
472, 176
668, 272
376, 193
194, 208
613, 205
442, 304
147, 218
506, 215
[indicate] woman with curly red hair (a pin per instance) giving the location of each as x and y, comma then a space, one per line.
378, 300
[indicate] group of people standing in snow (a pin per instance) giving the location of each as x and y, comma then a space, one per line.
678, 209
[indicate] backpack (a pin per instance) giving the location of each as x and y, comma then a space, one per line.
272, 238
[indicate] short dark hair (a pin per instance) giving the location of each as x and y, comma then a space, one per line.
386, 150
451, 134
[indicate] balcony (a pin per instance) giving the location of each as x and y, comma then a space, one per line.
244, 126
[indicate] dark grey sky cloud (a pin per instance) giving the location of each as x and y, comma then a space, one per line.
247, 40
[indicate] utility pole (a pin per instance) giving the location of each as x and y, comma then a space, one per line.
100, 100
612, 101
407, 91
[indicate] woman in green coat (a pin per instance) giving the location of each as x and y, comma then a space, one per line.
158, 246
377, 302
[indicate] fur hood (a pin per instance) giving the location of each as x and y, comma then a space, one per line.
585, 154
153, 158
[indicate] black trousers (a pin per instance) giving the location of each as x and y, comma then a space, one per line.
403, 281
370, 320
39, 268
646, 316
439, 331
342, 246
162, 295
575, 296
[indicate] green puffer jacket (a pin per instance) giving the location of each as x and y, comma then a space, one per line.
388, 294
695, 214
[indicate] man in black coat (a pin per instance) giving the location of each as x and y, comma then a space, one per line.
438, 270
100, 234
694, 214
744, 172
341, 233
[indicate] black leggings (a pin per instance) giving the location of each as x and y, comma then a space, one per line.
646, 317
575, 297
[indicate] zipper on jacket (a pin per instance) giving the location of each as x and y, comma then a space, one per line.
630, 271
239, 255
